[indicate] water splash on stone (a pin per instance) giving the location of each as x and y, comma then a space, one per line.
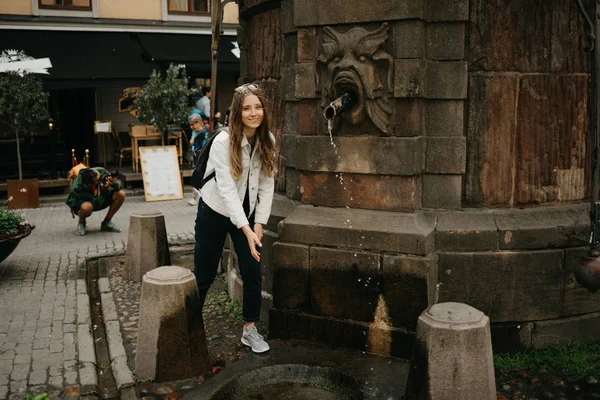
436, 297
379, 341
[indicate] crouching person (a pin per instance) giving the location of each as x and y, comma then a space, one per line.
95, 189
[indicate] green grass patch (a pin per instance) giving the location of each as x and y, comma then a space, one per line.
220, 299
574, 360
236, 310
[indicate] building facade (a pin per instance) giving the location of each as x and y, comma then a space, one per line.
98, 48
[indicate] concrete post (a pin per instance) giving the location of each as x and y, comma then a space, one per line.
147, 244
171, 337
452, 358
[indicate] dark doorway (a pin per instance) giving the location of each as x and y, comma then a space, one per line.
76, 116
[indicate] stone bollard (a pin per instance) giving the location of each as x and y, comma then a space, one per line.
452, 357
171, 343
147, 245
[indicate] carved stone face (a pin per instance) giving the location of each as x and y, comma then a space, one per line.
355, 61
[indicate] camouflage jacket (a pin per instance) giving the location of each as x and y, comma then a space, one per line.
82, 191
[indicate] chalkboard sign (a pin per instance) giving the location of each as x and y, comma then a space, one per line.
160, 173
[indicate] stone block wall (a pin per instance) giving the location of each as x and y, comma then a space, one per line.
478, 117
502, 121
427, 88
331, 266
461, 73
336, 271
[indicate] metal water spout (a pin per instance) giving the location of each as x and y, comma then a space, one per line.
345, 102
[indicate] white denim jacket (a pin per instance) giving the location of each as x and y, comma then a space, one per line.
225, 194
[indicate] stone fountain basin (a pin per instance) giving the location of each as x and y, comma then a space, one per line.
290, 382
303, 370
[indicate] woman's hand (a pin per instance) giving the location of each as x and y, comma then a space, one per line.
258, 229
253, 241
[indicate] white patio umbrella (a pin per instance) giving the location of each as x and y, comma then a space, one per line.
15, 60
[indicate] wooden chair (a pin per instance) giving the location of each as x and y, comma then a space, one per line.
107, 128
120, 150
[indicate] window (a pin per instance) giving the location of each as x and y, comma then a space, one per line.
67, 4
189, 6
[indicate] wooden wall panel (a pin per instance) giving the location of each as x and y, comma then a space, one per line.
265, 45
568, 40
540, 46
509, 35
552, 133
527, 36
263, 58
275, 114
491, 132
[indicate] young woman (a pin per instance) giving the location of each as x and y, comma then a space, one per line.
238, 201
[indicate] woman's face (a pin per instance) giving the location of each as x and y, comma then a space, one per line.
196, 126
252, 112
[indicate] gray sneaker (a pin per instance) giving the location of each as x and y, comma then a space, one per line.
81, 229
253, 339
109, 226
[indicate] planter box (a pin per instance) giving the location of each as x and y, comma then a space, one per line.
23, 193
7, 246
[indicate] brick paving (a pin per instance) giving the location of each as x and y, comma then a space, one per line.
44, 308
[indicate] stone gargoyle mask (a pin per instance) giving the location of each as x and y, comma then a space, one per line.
356, 61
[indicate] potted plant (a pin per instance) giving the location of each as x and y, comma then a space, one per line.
23, 106
163, 101
13, 228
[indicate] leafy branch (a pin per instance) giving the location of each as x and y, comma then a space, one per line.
23, 105
163, 101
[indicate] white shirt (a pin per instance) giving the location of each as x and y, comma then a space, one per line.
203, 104
225, 194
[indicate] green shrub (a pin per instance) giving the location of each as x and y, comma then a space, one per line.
42, 396
575, 360
9, 222
23, 105
163, 101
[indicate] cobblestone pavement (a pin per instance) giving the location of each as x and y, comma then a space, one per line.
45, 339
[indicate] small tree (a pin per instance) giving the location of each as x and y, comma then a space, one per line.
163, 100
23, 105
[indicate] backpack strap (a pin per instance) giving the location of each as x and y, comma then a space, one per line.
213, 136
209, 177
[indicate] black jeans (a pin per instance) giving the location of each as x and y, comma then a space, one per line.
211, 230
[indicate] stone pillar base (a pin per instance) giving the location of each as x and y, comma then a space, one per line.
171, 338
147, 244
453, 357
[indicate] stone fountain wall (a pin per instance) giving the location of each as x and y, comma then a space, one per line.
468, 115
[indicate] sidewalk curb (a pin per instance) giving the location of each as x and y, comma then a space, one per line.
116, 349
123, 375
85, 341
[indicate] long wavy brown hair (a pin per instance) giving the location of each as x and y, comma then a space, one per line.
266, 147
